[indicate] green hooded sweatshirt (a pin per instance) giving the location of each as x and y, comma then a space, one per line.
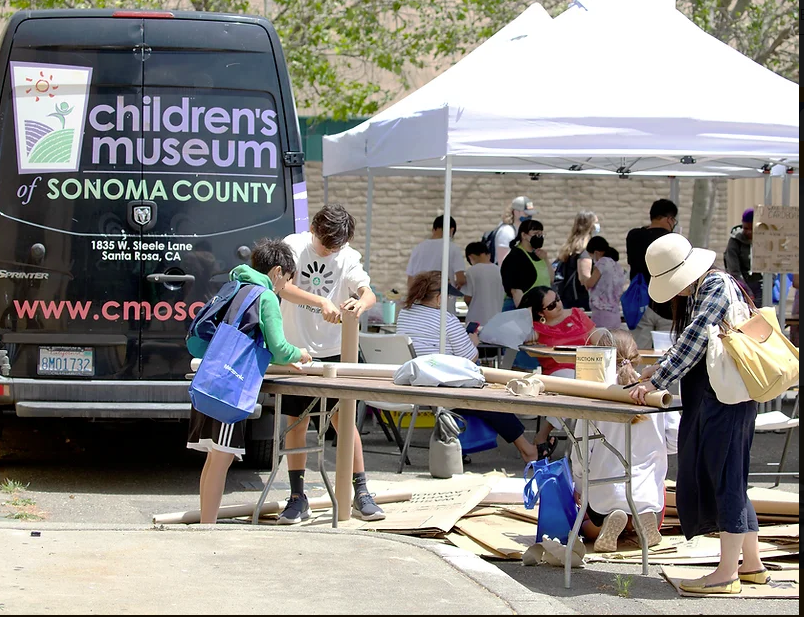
270, 316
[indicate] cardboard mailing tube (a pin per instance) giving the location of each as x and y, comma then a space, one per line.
661, 399
269, 507
345, 369
344, 455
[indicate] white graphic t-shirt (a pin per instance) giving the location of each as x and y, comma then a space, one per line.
335, 277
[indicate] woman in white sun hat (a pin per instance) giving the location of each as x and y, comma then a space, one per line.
714, 439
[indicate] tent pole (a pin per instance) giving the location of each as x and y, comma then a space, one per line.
767, 277
369, 207
326, 190
674, 189
442, 339
783, 275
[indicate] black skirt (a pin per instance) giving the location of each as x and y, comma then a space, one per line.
208, 434
714, 452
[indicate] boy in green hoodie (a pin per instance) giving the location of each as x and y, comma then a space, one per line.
272, 266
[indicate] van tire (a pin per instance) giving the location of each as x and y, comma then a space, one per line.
259, 454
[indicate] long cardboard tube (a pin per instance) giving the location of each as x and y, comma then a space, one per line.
345, 369
344, 455
269, 507
661, 399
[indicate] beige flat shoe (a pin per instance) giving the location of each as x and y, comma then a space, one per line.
695, 586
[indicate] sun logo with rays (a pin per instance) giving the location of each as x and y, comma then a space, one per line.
315, 279
41, 85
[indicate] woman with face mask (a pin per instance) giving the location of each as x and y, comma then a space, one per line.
527, 265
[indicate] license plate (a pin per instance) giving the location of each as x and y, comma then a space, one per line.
75, 361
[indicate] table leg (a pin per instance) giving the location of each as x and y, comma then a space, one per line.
573, 536
323, 424
277, 437
643, 539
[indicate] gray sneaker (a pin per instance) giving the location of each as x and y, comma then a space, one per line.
364, 507
296, 511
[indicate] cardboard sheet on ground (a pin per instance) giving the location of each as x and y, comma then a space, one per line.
434, 507
468, 544
502, 534
783, 584
676, 550
766, 501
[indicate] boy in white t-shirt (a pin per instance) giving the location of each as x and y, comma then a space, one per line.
426, 257
483, 293
329, 279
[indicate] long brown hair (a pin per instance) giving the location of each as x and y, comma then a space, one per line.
627, 359
424, 286
578, 238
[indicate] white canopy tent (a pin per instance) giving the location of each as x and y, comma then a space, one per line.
614, 87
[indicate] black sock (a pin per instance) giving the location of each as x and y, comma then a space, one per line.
359, 482
296, 482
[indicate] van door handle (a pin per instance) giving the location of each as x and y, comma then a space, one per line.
161, 277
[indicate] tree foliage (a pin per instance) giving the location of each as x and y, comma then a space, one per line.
764, 30
349, 58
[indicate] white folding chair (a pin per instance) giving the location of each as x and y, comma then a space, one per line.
391, 349
778, 421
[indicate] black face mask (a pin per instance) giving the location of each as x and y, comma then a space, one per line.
536, 242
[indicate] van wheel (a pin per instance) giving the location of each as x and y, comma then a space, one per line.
259, 454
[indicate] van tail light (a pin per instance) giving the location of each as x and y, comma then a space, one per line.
144, 14
5, 391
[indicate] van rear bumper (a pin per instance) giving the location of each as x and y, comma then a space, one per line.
61, 398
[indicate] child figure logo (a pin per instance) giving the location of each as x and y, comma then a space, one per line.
50, 108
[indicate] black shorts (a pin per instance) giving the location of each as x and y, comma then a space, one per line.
207, 434
295, 405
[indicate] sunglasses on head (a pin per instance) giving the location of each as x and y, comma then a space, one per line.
553, 304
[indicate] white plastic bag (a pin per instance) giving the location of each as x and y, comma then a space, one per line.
440, 370
723, 374
509, 329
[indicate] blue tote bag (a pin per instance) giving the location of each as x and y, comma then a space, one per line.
228, 381
554, 491
635, 301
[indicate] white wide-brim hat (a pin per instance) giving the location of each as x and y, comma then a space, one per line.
674, 265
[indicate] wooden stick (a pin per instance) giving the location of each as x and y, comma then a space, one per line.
661, 399
270, 507
344, 455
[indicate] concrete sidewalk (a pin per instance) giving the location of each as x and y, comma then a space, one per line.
225, 569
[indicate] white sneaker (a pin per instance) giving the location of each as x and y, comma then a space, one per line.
651, 528
613, 526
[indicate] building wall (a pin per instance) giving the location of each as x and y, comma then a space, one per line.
404, 209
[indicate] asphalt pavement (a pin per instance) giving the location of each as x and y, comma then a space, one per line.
91, 490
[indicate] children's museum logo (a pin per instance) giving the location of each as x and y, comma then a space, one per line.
50, 107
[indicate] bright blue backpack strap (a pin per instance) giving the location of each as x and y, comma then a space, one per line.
254, 293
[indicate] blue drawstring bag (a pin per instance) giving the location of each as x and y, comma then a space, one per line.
228, 381
476, 436
635, 301
776, 291
554, 492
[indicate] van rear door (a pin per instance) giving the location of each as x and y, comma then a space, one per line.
213, 144
70, 127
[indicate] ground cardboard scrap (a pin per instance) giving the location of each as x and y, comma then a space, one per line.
502, 534
767, 502
676, 550
783, 584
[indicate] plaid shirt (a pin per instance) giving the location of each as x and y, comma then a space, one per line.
710, 306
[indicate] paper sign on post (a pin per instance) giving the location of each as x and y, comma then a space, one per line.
775, 242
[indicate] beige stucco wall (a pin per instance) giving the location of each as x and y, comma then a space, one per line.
404, 208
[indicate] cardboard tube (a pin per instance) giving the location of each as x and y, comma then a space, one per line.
661, 399
345, 369
344, 455
330, 371
270, 507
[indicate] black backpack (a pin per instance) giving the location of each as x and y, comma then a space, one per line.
488, 240
567, 284
217, 308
